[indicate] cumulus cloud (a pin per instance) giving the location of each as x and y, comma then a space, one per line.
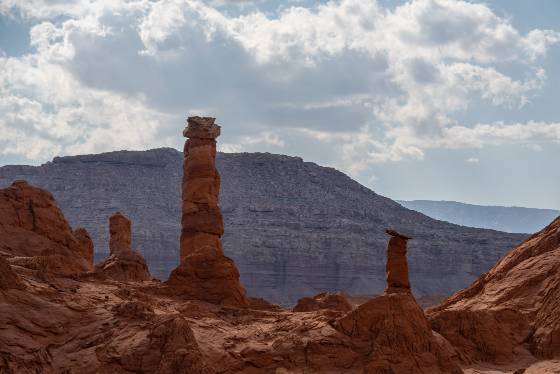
377, 84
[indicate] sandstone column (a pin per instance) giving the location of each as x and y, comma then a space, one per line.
397, 267
123, 264
204, 272
201, 222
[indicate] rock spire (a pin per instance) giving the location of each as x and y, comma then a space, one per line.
123, 264
205, 273
397, 266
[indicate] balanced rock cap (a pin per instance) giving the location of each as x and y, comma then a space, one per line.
397, 234
201, 128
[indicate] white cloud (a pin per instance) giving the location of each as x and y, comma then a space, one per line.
406, 71
473, 160
46, 112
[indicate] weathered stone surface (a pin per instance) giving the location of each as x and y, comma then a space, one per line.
513, 308
293, 228
8, 279
323, 301
34, 232
397, 265
85, 245
123, 263
397, 338
204, 273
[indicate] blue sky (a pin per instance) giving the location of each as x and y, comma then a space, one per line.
426, 99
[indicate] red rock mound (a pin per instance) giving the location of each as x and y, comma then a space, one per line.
123, 264
204, 273
395, 336
512, 308
35, 234
168, 347
323, 301
391, 330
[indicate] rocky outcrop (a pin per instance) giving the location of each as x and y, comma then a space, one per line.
35, 234
168, 347
392, 330
123, 263
293, 228
323, 301
8, 279
85, 245
396, 268
511, 309
204, 273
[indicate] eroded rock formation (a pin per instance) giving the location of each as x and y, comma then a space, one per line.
123, 263
392, 331
397, 267
323, 301
204, 273
35, 234
8, 279
512, 309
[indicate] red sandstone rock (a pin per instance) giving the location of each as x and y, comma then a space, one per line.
513, 308
33, 229
204, 273
393, 333
8, 279
323, 301
123, 263
397, 266
85, 246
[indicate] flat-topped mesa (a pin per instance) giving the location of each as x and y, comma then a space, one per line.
397, 266
204, 272
120, 230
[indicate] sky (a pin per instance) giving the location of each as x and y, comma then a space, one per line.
426, 99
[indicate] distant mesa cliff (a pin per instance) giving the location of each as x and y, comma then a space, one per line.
508, 219
293, 228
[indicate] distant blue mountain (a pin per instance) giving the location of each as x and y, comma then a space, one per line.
508, 219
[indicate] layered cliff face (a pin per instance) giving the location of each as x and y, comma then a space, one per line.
512, 309
293, 228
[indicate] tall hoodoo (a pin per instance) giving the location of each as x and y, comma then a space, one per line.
397, 266
123, 263
201, 223
204, 273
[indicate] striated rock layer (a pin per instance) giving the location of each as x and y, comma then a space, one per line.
123, 263
512, 309
204, 273
293, 228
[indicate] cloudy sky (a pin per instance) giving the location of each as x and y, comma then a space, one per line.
427, 99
